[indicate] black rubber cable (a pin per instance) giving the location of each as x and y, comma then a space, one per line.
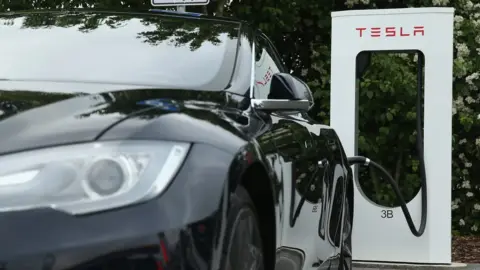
366, 162
420, 145
420, 149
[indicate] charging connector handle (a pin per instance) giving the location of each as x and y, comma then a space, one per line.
358, 160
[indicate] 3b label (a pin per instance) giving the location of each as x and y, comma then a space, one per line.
387, 214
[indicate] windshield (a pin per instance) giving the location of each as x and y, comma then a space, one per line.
122, 49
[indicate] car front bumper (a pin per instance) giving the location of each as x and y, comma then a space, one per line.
174, 231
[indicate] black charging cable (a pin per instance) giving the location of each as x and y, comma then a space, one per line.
358, 160
420, 145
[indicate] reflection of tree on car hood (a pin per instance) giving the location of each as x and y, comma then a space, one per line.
178, 32
138, 49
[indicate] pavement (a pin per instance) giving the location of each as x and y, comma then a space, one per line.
385, 266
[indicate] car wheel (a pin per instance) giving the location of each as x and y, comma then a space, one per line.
243, 247
346, 253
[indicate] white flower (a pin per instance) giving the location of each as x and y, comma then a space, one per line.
455, 204
462, 141
469, 100
462, 50
476, 207
458, 24
466, 184
461, 222
351, 3
469, 79
460, 65
458, 19
478, 117
477, 142
469, 194
440, 2
468, 164
474, 228
458, 103
468, 5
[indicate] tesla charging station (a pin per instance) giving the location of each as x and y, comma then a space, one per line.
380, 233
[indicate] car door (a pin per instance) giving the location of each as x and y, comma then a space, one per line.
297, 166
334, 185
329, 190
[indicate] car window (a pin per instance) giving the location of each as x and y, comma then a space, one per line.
267, 63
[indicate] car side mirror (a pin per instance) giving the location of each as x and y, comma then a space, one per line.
287, 93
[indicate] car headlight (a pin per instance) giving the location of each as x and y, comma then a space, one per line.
86, 178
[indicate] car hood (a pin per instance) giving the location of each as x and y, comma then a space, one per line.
36, 118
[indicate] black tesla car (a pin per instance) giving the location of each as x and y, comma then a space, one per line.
153, 140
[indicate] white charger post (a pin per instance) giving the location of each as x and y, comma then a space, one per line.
376, 236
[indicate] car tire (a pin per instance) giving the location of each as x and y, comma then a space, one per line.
243, 245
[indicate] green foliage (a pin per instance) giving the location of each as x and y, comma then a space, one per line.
387, 119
